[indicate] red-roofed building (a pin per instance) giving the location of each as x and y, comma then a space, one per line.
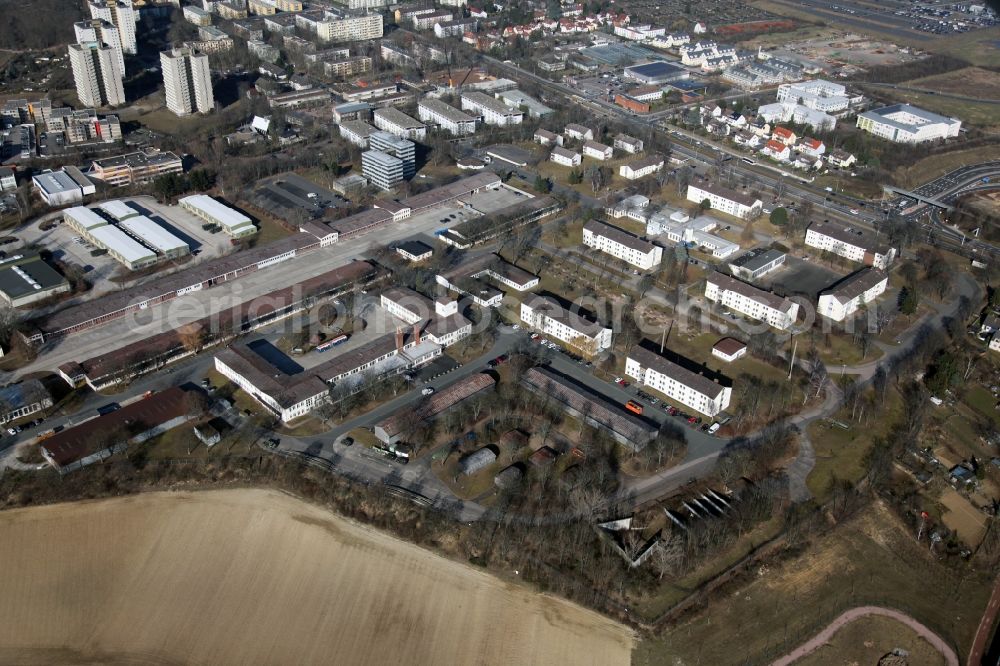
813, 147
777, 150
784, 135
103, 436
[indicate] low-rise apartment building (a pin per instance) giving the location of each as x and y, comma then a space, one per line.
629, 144
641, 168
579, 132
850, 243
852, 293
737, 204
565, 156
750, 301
492, 110
816, 94
357, 132
547, 316
620, 244
394, 121
446, 117
596, 150
547, 138
673, 380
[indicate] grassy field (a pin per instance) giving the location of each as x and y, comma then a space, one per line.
978, 48
270, 231
869, 559
185, 577
980, 399
867, 640
840, 453
839, 349
971, 81
936, 165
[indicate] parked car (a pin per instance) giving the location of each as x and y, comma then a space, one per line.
347, 441
714, 428
427, 391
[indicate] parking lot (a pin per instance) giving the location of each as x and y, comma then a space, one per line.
185, 226
799, 276
490, 201
59, 240
289, 195
67, 246
447, 215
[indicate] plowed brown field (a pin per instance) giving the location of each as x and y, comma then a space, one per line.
258, 577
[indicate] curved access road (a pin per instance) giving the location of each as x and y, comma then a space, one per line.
848, 616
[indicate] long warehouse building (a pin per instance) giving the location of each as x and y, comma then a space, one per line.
155, 236
132, 254
233, 222
115, 305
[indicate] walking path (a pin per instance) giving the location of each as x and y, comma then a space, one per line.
848, 616
982, 639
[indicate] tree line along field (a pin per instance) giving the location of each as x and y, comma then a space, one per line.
256, 576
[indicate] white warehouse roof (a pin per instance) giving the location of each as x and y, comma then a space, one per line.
55, 182
118, 242
85, 217
222, 214
118, 209
152, 234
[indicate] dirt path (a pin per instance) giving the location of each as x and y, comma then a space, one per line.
849, 616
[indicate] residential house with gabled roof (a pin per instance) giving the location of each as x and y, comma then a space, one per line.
784, 135
812, 147
777, 150
840, 159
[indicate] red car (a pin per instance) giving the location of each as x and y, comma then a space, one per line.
622, 383
692, 419
672, 411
